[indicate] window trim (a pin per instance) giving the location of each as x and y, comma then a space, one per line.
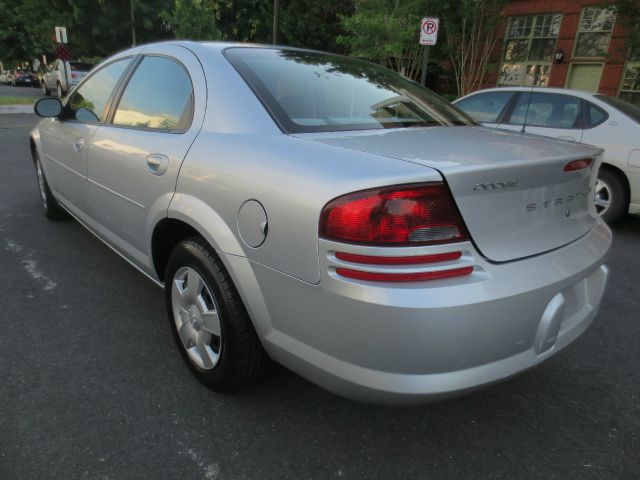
105, 110
579, 117
578, 32
123, 86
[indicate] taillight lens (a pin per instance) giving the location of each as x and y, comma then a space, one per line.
394, 216
577, 165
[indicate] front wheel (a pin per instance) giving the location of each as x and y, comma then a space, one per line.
209, 320
611, 199
51, 207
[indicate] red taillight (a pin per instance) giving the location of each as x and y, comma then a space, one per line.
403, 277
577, 165
410, 260
395, 216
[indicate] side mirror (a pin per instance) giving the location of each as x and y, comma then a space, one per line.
48, 107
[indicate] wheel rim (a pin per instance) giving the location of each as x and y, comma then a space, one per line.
603, 197
41, 187
195, 314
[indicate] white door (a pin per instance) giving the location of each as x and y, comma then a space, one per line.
135, 159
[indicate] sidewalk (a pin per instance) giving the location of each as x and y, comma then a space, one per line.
16, 109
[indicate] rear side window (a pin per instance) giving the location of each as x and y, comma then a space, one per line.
159, 96
593, 116
548, 110
87, 103
485, 107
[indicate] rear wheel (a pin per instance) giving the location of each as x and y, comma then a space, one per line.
60, 91
209, 320
611, 197
45, 90
51, 207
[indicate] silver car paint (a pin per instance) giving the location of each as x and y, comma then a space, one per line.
379, 342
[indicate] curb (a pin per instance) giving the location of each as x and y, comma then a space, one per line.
16, 109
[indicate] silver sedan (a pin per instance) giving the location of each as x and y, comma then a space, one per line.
327, 214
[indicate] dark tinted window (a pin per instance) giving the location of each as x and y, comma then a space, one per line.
87, 103
158, 96
547, 110
313, 92
594, 116
485, 107
630, 110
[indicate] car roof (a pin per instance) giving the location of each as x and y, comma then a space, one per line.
565, 91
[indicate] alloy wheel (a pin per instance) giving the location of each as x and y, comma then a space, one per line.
195, 313
603, 197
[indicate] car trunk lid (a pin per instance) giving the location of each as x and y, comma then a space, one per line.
511, 189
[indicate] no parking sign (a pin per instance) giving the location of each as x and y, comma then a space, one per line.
429, 30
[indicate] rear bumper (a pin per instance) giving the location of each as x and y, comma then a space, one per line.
412, 343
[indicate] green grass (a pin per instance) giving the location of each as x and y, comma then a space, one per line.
17, 100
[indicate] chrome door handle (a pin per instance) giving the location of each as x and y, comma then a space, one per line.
157, 163
78, 144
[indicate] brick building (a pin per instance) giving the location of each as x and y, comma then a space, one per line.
566, 43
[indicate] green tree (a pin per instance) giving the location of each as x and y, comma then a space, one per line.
386, 32
313, 24
470, 27
629, 15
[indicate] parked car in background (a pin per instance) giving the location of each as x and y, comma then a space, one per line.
54, 79
329, 214
594, 119
6, 77
24, 77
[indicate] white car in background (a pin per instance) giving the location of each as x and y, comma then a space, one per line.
54, 79
599, 120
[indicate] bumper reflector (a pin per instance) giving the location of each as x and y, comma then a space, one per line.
407, 260
403, 277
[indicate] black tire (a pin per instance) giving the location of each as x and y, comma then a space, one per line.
615, 192
242, 359
51, 207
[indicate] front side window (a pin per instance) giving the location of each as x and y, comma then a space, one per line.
159, 96
528, 49
87, 103
548, 110
485, 107
317, 92
594, 31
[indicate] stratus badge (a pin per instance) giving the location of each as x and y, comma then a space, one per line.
496, 185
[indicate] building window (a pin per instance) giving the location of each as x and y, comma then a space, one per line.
630, 88
594, 32
528, 49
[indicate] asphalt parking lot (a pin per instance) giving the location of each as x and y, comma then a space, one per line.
93, 386
19, 91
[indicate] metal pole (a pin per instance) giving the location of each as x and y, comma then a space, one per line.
425, 61
276, 8
133, 26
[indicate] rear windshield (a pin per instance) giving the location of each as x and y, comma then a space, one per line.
318, 92
82, 67
629, 109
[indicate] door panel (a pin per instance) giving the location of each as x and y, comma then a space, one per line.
135, 159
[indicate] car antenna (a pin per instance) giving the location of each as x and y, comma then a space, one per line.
527, 112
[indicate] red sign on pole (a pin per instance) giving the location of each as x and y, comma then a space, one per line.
63, 52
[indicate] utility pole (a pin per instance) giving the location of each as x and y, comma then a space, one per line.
276, 12
133, 26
